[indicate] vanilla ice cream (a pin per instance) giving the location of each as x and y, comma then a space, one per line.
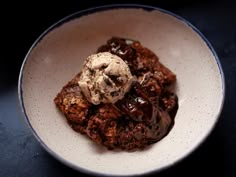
105, 78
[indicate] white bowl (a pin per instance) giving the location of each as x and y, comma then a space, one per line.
56, 57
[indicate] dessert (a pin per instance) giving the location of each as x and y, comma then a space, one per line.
105, 78
121, 98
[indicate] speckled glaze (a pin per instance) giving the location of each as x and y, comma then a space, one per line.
57, 56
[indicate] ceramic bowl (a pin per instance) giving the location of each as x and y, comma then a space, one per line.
58, 54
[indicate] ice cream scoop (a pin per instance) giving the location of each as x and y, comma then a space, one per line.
105, 78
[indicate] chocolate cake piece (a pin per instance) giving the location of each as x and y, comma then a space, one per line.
73, 105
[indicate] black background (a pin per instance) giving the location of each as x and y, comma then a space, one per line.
20, 153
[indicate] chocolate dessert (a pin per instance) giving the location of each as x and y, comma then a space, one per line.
121, 98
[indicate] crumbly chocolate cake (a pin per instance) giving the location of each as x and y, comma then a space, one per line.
144, 116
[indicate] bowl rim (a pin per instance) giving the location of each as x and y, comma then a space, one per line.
92, 10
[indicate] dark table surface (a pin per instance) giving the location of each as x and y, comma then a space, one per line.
20, 153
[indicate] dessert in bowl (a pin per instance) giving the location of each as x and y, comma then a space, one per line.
122, 97
59, 55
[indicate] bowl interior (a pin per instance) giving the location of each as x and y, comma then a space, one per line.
59, 55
